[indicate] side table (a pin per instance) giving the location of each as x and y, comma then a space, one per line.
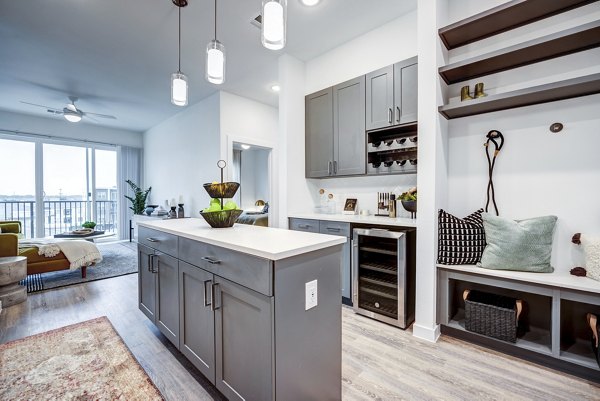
12, 270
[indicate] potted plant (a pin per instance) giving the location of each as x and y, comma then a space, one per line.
409, 201
138, 201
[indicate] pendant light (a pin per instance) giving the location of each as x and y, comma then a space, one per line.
274, 15
215, 58
179, 82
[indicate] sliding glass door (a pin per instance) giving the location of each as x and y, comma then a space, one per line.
55, 187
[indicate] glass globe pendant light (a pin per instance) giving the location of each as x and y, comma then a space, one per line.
215, 58
273, 28
179, 82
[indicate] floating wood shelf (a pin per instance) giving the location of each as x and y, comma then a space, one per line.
503, 18
555, 45
580, 86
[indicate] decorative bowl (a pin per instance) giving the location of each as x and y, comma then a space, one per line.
410, 206
222, 190
222, 218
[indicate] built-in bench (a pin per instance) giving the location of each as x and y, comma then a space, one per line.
555, 316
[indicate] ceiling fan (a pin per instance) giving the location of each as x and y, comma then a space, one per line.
72, 113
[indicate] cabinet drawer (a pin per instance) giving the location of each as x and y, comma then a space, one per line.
250, 271
311, 226
161, 241
335, 228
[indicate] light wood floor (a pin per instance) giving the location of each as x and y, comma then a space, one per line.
380, 362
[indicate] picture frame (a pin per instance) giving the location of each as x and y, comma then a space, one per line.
350, 206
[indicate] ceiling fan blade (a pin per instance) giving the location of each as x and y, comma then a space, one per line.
39, 105
98, 115
87, 116
55, 111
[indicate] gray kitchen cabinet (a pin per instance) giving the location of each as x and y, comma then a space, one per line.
166, 269
244, 342
405, 91
341, 229
392, 95
349, 128
319, 134
146, 282
380, 98
196, 318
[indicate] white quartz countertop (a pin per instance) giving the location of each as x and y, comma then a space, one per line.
265, 242
358, 219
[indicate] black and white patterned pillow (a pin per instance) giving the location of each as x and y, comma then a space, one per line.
460, 241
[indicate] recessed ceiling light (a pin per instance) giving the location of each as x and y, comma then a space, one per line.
245, 147
275, 88
310, 3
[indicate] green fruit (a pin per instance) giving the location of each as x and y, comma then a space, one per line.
215, 201
230, 205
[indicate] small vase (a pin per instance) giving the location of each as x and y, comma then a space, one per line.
180, 211
173, 213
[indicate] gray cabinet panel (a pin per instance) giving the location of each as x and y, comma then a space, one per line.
250, 271
380, 98
342, 229
167, 306
319, 134
244, 342
158, 240
196, 318
308, 225
146, 283
349, 128
405, 91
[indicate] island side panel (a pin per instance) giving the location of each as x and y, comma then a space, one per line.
308, 343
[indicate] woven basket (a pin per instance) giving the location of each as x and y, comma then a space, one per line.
491, 315
225, 190
222, 218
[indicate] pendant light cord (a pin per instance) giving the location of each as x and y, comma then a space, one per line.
179, 55
215, 19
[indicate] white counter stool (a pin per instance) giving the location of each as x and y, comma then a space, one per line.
12, 270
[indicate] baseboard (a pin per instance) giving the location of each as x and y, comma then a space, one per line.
427, 333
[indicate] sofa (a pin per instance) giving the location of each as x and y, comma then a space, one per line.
10, 232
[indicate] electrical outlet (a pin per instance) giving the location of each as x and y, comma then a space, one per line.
311, 295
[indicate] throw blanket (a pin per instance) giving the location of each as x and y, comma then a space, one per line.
78, 253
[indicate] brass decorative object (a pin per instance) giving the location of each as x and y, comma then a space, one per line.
465, 93
479, 90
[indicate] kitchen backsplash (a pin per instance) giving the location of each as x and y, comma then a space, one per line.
364, 189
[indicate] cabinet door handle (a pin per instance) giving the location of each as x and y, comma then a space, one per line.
150, 262
213, 302
210, 260
334, 229
329, 168
304, 226
390, 112
398, 114
152, 270
205, 298
150, 239
335, 167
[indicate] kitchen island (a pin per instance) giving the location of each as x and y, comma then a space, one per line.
255, 309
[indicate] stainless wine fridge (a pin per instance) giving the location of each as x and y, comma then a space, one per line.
383, 271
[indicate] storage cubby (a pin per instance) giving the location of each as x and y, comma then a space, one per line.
535, 322
575, 334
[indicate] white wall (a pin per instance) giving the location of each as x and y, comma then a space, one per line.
59, 127
180, 155
538, 172
386, 45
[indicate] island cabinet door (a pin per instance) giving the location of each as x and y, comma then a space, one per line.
244, 342
196, 318
146, 282
167, 306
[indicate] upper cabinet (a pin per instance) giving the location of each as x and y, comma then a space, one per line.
392, 95
335, 130
338, 118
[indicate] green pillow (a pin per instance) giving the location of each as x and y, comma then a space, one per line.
14, 228
524, 245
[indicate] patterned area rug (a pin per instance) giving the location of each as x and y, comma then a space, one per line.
118, 259
85, 361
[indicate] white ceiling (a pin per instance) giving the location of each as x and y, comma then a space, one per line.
117, 55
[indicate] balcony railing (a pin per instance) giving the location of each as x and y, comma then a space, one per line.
60, 216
